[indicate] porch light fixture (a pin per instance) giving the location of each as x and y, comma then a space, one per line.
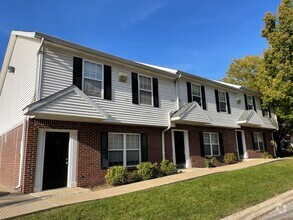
122, 77
11, 69
238, 100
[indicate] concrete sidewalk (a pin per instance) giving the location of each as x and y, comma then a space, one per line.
57, 198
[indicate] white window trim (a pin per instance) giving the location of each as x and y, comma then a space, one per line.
102, 83
196, 95
252, 106
211, 145
124, 147
258, 140
145, 90
226, 105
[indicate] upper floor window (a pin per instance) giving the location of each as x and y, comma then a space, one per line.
93, 78
211, 144
123, 149
196, 93
145, 90
249, 101
258, 140
222, 101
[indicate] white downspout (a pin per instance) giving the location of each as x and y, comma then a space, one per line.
163, 134
22, 152
40, 70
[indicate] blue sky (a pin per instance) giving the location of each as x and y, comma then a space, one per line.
197, 36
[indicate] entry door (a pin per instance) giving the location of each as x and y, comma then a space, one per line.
56, 160
179, 148
240, 144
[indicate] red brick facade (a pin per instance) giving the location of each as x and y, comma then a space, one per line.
10, 156
89, 172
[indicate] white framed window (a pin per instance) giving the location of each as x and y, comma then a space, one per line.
145, 90
222, 101
258, 140
124, 149
211, 144
92, 78
196, 93
249, 101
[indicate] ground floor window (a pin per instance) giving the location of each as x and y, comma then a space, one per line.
258, 140
124, 149
211, 144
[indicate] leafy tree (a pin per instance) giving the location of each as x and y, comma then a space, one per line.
276, 75
244, 72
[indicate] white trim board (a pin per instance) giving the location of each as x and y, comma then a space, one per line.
72, 158
245, 153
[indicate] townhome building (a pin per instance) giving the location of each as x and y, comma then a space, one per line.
68, 113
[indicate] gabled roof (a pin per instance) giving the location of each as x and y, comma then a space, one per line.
67, 102
191, 113
249, 117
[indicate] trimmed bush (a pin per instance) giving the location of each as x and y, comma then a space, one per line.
135, 177
266, 155
167, 168
210, 162
230, 158
116, 175
147, 170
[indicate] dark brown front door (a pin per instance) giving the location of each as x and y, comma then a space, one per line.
179, 148
56, 160
240, 144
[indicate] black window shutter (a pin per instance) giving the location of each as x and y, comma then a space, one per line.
201, 144
245, 100
221, 144
203, 97
156, 92
217, 100
107, 82
252, 138
144, 147
264, 141
104, 150
228, 103
189, 91
77, 72
134, 81
270, 114
262, 109
254, 106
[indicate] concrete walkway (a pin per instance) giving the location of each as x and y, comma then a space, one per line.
66, 196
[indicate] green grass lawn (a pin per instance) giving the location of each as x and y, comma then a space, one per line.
210, 197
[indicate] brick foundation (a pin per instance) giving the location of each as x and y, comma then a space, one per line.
10, 156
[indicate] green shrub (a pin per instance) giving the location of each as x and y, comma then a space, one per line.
116, 175
210, 162
266, 155
147, 170
230, 158
135, 177
167, 168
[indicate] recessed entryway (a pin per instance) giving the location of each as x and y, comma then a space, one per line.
241, 144
56, 159
180, 145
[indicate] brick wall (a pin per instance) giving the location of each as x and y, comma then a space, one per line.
10, 156
89, 172
229, 143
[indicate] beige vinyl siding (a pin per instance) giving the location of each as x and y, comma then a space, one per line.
19, 88
57, 75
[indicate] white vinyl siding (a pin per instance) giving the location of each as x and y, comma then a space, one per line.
258, 140
92, 78
211, 144
19, 87
124, 149
196, 93
120, 109
145, 90
222, 101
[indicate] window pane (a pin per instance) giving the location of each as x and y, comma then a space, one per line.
261, 145
215, 149
222, 96
197, 99
207, 149
92, 87
132, 141
223, 106
206, 138
255, 137
92, 71
145, 83
196, 90
249, 102
145, 97
214, 138
115, 141
115, 158
132, 157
